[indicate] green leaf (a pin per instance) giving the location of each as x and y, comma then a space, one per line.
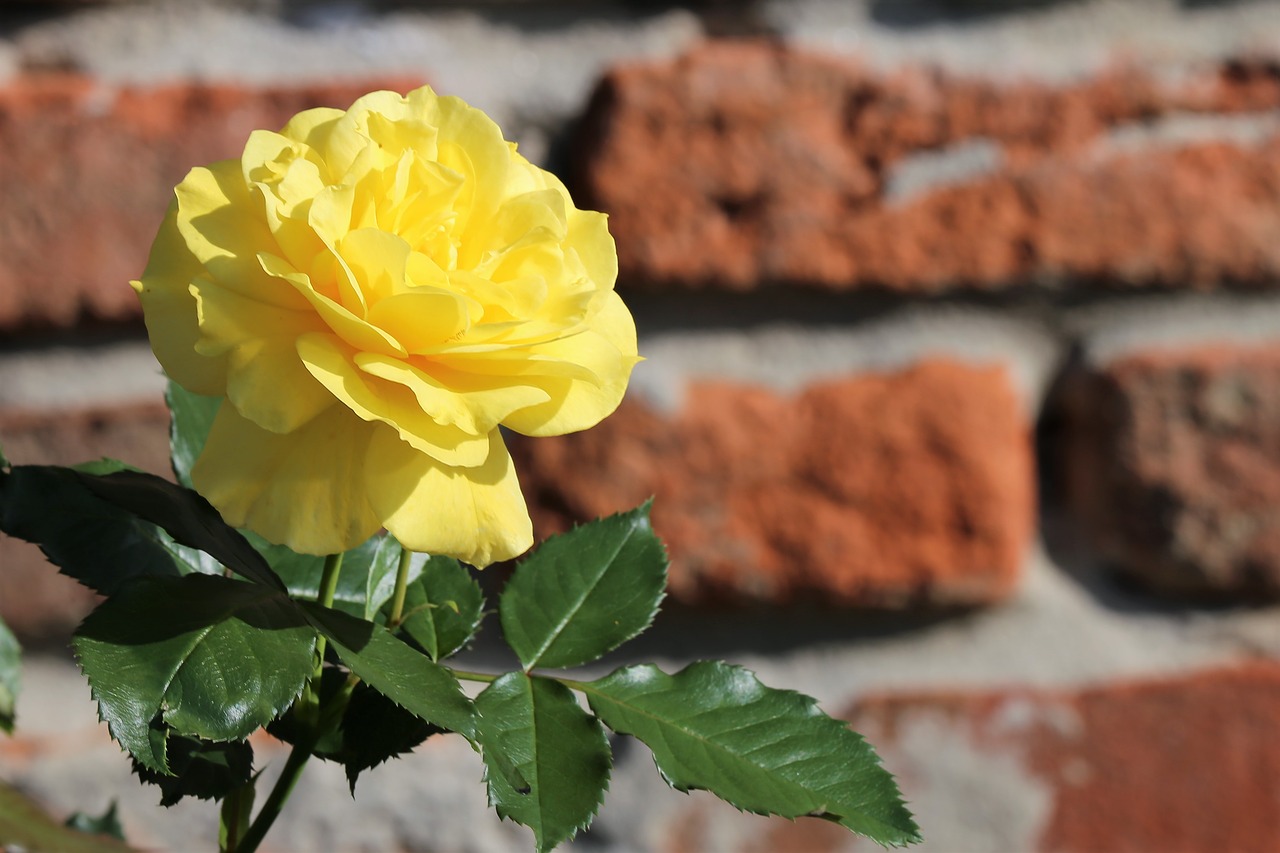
100, 545
396, 670
186, 516
371, 730
560, 750
443, 607
586, 592
105, 465
375, 729
209, 656
715, 726
107, 823
199, 768
367, 580
190, 419
24, 826
10, 676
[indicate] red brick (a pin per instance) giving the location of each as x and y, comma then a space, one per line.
1186, 763
88, 171
744, 165
890, 490
1172, 464
36, 601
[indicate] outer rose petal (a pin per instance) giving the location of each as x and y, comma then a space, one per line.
305, 489
170, 312
266, 381
475, 514
225, 229
608, 349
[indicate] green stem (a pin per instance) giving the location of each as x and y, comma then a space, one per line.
275, 801
229, 817
473, 676
328, 588
402, 585
309, 714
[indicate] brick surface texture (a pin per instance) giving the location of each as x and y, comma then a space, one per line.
744, 165
1173, 466
908, 488
88, 171
1180, 764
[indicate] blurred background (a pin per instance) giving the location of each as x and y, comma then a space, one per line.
961, 407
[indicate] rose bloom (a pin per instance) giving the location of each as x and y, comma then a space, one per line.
373, 292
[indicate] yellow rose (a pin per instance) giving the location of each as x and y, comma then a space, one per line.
373, 292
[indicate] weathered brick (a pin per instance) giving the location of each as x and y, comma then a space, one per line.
1180, 763
88, 171
747, 165
890, 490
36, 601
1171, 464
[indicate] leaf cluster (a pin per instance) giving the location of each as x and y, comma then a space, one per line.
208, 634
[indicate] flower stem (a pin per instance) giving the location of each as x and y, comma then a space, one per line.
275, 800
309, 713
473, 676
328, 588
395, 617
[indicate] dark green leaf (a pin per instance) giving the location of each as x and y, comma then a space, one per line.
768, 751
209, 656
443, 607
191, 417
10, 676
199, 768
375, 729
586, 592
100, 545
367, 579
105, 465
107, 823
396, 670
23, 826
372, 728
186, 516
558, 749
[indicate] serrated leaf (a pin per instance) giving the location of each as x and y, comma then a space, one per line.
100, 545
190, 419
444, 607
185, 516
396, 670
584, 593
372, 728
199, 768
10, 676
107, 823
716, 727
23, 826
209, 656
375, 729
561, 751
367, 579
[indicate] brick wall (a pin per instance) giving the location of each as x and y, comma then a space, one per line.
962, 399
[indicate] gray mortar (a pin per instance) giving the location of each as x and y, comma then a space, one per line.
530, 81
1060, 41
926, 171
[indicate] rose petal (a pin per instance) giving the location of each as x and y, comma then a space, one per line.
475, 514
170, 312
306, 489
375, 400
266, 381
